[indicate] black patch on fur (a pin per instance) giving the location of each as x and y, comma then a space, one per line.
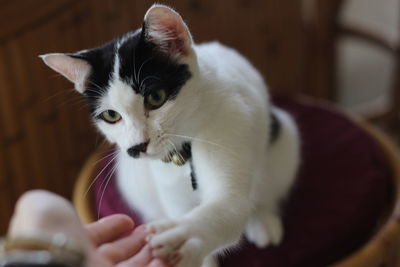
154, 70
142, 65
187, 153
193, 176
275, 128
102, 61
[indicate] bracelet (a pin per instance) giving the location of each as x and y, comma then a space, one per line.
41, 248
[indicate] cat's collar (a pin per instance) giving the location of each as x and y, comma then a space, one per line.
179, 157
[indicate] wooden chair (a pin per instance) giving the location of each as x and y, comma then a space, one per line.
323, 29
384, 247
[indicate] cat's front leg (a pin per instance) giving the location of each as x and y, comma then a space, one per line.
188, 241
176, 243
216, 223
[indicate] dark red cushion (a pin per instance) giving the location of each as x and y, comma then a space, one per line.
336, 205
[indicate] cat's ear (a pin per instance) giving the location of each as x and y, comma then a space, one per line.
74, 69
166, 28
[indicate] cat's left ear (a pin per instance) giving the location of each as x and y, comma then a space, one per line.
75, 69
165, 27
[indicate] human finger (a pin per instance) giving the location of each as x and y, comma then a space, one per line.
143, 258
109, 229
124, 248
157, 263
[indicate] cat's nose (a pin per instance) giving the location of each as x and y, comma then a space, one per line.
136, 149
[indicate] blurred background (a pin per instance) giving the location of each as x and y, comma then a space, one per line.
344, 51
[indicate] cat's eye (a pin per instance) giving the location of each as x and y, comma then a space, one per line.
156, 99
110, 116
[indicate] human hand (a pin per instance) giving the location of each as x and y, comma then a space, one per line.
109, 242
117, 243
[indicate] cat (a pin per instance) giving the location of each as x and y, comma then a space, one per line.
203, 154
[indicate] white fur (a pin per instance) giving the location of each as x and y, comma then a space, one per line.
224, 109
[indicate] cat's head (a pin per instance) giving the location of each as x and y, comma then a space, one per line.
138, 85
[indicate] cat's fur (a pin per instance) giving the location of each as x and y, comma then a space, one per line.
217, 102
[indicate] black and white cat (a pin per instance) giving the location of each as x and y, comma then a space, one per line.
204, 156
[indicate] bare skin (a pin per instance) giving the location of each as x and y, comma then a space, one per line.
111, 241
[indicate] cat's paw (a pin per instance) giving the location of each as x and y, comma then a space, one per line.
175, 243
265, 231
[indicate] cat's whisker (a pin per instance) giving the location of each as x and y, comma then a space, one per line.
112, 153
159, 141
134, 68
169, 145
177, 153
99, 174
144, 63
103, 141
75, 102
57, 94
108, 174
147, 77
82, 107
101, 90
165, 147
108, 179
94, 91
201, 140
97, 96
72, 98
173, 146
72, 102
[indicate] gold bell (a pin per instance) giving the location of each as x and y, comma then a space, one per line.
178, 159
167, 158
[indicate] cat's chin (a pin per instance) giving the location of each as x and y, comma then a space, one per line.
148, 155
153, 155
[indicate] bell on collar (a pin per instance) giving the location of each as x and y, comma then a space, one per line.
167, 158
175, 157
179, 158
